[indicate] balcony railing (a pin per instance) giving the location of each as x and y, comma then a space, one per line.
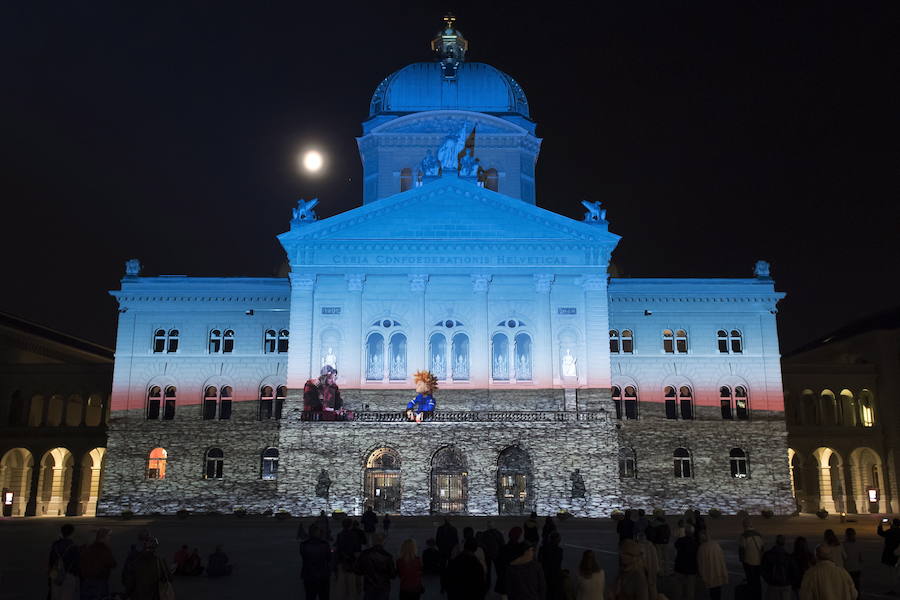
462, 416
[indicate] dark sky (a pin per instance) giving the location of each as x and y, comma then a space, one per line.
715, 135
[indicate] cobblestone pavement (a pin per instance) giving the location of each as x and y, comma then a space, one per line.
267, 564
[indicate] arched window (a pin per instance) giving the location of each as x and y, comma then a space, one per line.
630, 400
523, 356
154, 399
406, 179
159, 341
617, 400
74, 409
738, 460
741, 403
615, 343
682, 461
727, 401
829, 408
397, 369
172, 341
169, 406
668, 341
55, 411
215, 341
210, 402
266, 402
375, 357
382, 480
16, 409
500, 357
810, 412
36, 411
460, 354
93, 413
627, 464
627, 341
215, 464
270, 341
228, 341
681, 341
866, 409
679, 403
225, 402
437, 355
280, 396
283, 341
156, 463
730, 341
492, 180
848, 408
270, 463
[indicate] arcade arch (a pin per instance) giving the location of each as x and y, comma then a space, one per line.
515, 493
449, 481
15, 476
382, 480
55, 482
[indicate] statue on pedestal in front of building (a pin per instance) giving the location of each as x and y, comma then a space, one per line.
578, 488
422, 406
568, 364
323, 484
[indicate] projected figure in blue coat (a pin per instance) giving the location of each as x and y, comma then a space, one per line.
422, 406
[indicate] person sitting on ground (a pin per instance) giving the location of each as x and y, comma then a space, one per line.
180, 559
591, 580
825, 580
217, 564
194, 564
432, 560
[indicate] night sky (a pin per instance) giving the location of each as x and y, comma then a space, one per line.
715, 135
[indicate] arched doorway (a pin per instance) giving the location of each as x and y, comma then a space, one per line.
91, 479
382, 487
514, 482
867, 472
55, 482
832, 495
449, 481
15, 476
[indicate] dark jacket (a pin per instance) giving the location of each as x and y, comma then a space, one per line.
432, 561
686, 556
507, 553
551, 557
525, 581
776, 566
491, 542
369, 521
891, 543
464, 578
377, 569
799, 565
530, 532
96, 561
65, 549
316, 557
625, 529
447, 538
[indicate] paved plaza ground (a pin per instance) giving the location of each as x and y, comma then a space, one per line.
267, 564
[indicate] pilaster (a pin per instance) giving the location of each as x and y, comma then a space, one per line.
480, 348
300, 347
416, 343
543, 360
596, 329
351, 368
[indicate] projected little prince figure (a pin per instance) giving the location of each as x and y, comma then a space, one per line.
422, 406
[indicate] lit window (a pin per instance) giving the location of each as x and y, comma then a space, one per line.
266, 402
156, 464
741, 404
270, 342
866, 409
614, 341
682, 462
215, 464
738, 460
215, 341
228, 341
283, 341
631, 402
270, 463
617, 400
627, 464
627, 341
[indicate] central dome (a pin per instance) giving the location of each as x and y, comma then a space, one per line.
424, 86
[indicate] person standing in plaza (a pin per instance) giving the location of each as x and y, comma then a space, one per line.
852, 557
662, 533
464, 577
346, 549
837, 550
590, 582
491, 541
889, 553
63, 566
508, 552
386, 524
409, 570
447, 539
316, 569
776, 571
551, 557
376, 566
750, 551
525, 576
686, 564
149, 573
631, 584
711, 565
801, 560
530, 531
825, 580
95, 564
369, 523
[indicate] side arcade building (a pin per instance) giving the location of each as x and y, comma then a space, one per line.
560, 388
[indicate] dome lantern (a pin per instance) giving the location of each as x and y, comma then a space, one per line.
450, 46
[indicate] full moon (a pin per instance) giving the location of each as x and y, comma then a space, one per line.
312, 161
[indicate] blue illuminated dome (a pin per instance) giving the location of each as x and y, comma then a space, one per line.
449, 83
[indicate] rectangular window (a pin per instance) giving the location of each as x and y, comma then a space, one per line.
670, 409
627, 342
687, 408
723, 345
209, 409
741, 406
631, 408
726, 408
169, 410
613, 345
153, 408
265, 409
225, 409
669, 345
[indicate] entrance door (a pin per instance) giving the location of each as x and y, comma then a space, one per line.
512, 494
383, 490
449, 492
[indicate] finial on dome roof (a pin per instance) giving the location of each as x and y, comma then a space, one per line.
450, 46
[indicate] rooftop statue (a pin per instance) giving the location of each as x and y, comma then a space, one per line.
430, 166
452, 148
468, 164
761, 269
304, 212
132, 267
594, 213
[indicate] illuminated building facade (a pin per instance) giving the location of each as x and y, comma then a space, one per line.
560, 388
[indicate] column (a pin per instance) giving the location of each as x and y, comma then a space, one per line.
301, 318
351, 368
416, 344
480, 344
31, 506
543, 357
71, 509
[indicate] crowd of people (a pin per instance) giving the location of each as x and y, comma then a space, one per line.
82, 572
526, 563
